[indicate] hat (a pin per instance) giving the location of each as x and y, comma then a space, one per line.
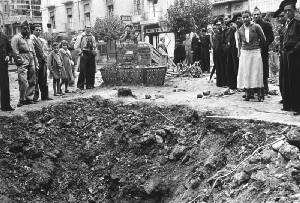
256, 9
236, 16
282, 5
25, 24
219, 20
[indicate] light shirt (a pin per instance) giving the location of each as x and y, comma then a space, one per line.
247, 34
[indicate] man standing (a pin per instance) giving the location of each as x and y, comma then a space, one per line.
41, 77
26, 62
291, 60
205, 45
268, 31
231, 52
5, 53
218, 54
87, 65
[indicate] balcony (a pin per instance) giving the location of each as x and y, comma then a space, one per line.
68, 2
217, 2
109, 2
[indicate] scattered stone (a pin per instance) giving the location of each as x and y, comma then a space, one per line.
151, 185
259, 176
181, 90
159, 96
255, 159
158, 139
277, 145
240, 178
195, 183
228, 92
206, 93
81, 124
147, 96
90, 118
288, 151
177, 152
293, 137
199, 96
124, 92
267, 156
174, 90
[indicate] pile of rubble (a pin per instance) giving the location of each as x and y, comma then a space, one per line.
94, 150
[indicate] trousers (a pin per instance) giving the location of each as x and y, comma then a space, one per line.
4, 86
87, 70
41, 82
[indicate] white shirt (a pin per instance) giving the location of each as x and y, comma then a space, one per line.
247, 34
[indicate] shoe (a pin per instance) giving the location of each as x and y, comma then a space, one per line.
28, 102
46, 99
67, 91
8, 109
21, 103
297, 113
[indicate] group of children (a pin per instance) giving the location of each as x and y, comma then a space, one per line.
61, 67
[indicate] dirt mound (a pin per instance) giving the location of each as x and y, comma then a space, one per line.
93, 150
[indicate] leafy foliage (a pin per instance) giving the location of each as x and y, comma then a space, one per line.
109, 28
186, 16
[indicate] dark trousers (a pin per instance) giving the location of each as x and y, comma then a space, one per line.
87, 72
4, 86
41, 82
205, 59
265, 59
219, 63
231, 67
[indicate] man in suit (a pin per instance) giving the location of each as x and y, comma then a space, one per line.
268, 31
5, 53
41, 75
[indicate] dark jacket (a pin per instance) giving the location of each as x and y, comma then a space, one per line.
291, 39
268, 31
218, 40
5, 48
256, 37
229, 39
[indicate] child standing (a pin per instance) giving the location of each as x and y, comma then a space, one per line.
67, 75
55, 67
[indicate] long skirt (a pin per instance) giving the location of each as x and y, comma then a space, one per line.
250, 72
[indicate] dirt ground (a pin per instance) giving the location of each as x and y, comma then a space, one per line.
179, 90
95, 147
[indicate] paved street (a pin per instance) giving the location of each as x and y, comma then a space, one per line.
181, 91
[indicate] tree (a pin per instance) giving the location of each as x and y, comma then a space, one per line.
189, 15
109, 28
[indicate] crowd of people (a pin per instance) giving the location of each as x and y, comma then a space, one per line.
34, 59
240, 47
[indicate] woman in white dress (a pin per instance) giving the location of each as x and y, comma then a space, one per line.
250, 73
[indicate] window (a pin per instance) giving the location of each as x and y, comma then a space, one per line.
110, 10
138, 7
69, 18
87, 14
52, 19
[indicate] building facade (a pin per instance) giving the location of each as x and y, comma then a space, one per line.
14, 12
229, 7
148, 16
266, 6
